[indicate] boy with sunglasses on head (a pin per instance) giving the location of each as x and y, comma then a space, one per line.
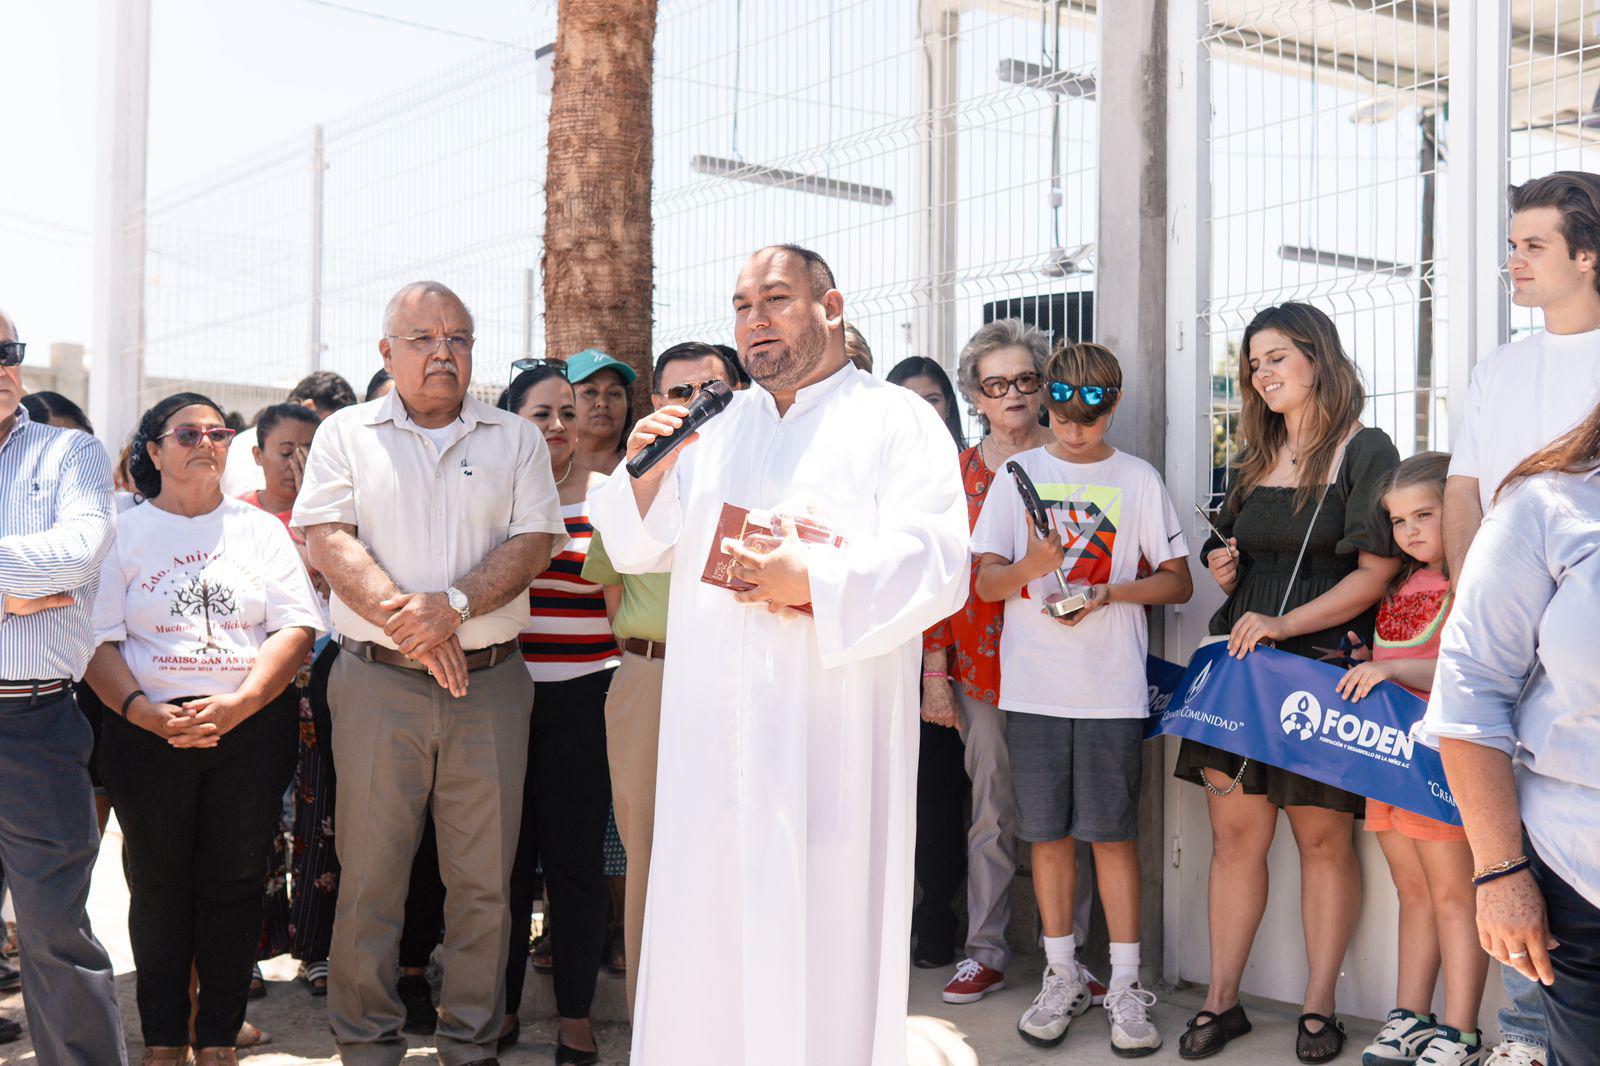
1075, 687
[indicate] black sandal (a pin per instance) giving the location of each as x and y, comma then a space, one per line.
1209, 1032
1323, 1046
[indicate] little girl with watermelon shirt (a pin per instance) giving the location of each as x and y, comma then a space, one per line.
1430, 861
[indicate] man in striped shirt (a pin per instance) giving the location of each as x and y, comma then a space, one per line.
55, 527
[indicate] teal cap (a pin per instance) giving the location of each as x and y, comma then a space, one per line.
590, 361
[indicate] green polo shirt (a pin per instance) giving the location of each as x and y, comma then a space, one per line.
643, 613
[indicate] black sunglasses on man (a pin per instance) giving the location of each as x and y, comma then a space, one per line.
11, 353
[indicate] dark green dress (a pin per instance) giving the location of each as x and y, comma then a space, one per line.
1269, 532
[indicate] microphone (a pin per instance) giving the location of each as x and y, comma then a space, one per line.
710, 403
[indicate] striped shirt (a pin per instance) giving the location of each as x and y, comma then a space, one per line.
56, 522
568, 634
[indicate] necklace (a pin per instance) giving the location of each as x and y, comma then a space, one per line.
564, 476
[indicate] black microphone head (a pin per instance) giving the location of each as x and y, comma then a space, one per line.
714, 397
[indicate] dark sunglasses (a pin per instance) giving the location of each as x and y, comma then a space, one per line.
1092, 395
1027, 384
520, 365
11, 353
190, 436
681, 393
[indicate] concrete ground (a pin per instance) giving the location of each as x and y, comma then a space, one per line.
938, 1034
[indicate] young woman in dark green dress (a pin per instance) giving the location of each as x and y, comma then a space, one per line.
1303, 444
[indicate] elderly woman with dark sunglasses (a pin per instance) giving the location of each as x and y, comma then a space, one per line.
203, 616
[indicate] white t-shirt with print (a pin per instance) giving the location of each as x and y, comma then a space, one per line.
193, 599
1111, 515
1523, 396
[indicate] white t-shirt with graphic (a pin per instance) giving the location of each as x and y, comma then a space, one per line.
193, 599
1111, 516
1523, 396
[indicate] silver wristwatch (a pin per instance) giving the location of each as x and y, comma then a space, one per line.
458, 602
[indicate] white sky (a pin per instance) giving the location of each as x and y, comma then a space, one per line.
226, 79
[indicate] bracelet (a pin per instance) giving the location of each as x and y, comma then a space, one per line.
135, 694
1499, 870
936, 673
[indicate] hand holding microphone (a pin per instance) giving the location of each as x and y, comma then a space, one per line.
658, 435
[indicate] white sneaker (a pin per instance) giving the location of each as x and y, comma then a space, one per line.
1062, 998
1133, 1034
1516, 1053
1448, 1049
1401, 1039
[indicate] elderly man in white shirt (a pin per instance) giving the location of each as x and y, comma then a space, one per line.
429, 512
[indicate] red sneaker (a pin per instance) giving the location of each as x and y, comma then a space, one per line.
973, 981
1097, 990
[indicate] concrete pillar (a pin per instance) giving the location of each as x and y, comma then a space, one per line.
118, 342
1130, 313
66, 363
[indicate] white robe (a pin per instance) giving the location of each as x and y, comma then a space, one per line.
778, 917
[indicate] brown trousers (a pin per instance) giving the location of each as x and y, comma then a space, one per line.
633, 731
400, 740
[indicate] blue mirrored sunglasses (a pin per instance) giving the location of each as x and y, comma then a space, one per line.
1093, 395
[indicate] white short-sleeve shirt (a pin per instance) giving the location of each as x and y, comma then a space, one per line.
1523, 396
193, 599
429, 516
1112, 515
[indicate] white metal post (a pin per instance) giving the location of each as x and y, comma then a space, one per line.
934, 326
1188, 364
319, 165
118, 371
1478, 135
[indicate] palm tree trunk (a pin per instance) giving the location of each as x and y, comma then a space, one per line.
597, 240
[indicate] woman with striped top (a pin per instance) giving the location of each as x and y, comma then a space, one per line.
571, 653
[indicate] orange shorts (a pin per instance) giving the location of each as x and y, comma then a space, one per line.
1381, 816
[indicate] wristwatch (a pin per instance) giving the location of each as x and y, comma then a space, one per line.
458, 602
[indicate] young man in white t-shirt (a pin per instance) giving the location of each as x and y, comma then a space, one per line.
1522, 396
1075, 687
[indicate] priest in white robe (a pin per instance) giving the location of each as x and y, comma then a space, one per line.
777, 924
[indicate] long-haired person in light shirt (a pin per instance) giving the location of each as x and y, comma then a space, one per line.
1516, 714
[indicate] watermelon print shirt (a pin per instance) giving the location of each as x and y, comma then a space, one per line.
1411, 621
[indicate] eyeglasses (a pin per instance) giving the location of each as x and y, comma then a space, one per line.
681, 393
1092, 395
11, 353
996, 387
190, 436
424, 344
521, 365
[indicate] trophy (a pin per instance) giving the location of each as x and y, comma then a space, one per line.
1069, 600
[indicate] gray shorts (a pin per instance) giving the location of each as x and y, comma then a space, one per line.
1075, 777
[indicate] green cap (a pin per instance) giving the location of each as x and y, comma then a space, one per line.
590, 361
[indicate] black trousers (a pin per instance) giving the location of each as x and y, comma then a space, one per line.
941, 853
424, 922
565, 802
197, 827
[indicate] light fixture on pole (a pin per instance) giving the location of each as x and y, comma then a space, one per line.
1361, 264
798, 181
1065, 262
1047, 79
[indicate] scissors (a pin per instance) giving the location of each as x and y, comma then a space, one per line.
1221, 536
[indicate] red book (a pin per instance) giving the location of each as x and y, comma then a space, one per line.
758, 531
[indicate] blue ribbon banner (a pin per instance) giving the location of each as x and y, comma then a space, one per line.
1283, 710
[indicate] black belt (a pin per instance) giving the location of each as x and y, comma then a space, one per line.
33, 691
481, 659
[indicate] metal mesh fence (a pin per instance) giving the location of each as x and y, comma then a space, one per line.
941, 156
1328, 187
